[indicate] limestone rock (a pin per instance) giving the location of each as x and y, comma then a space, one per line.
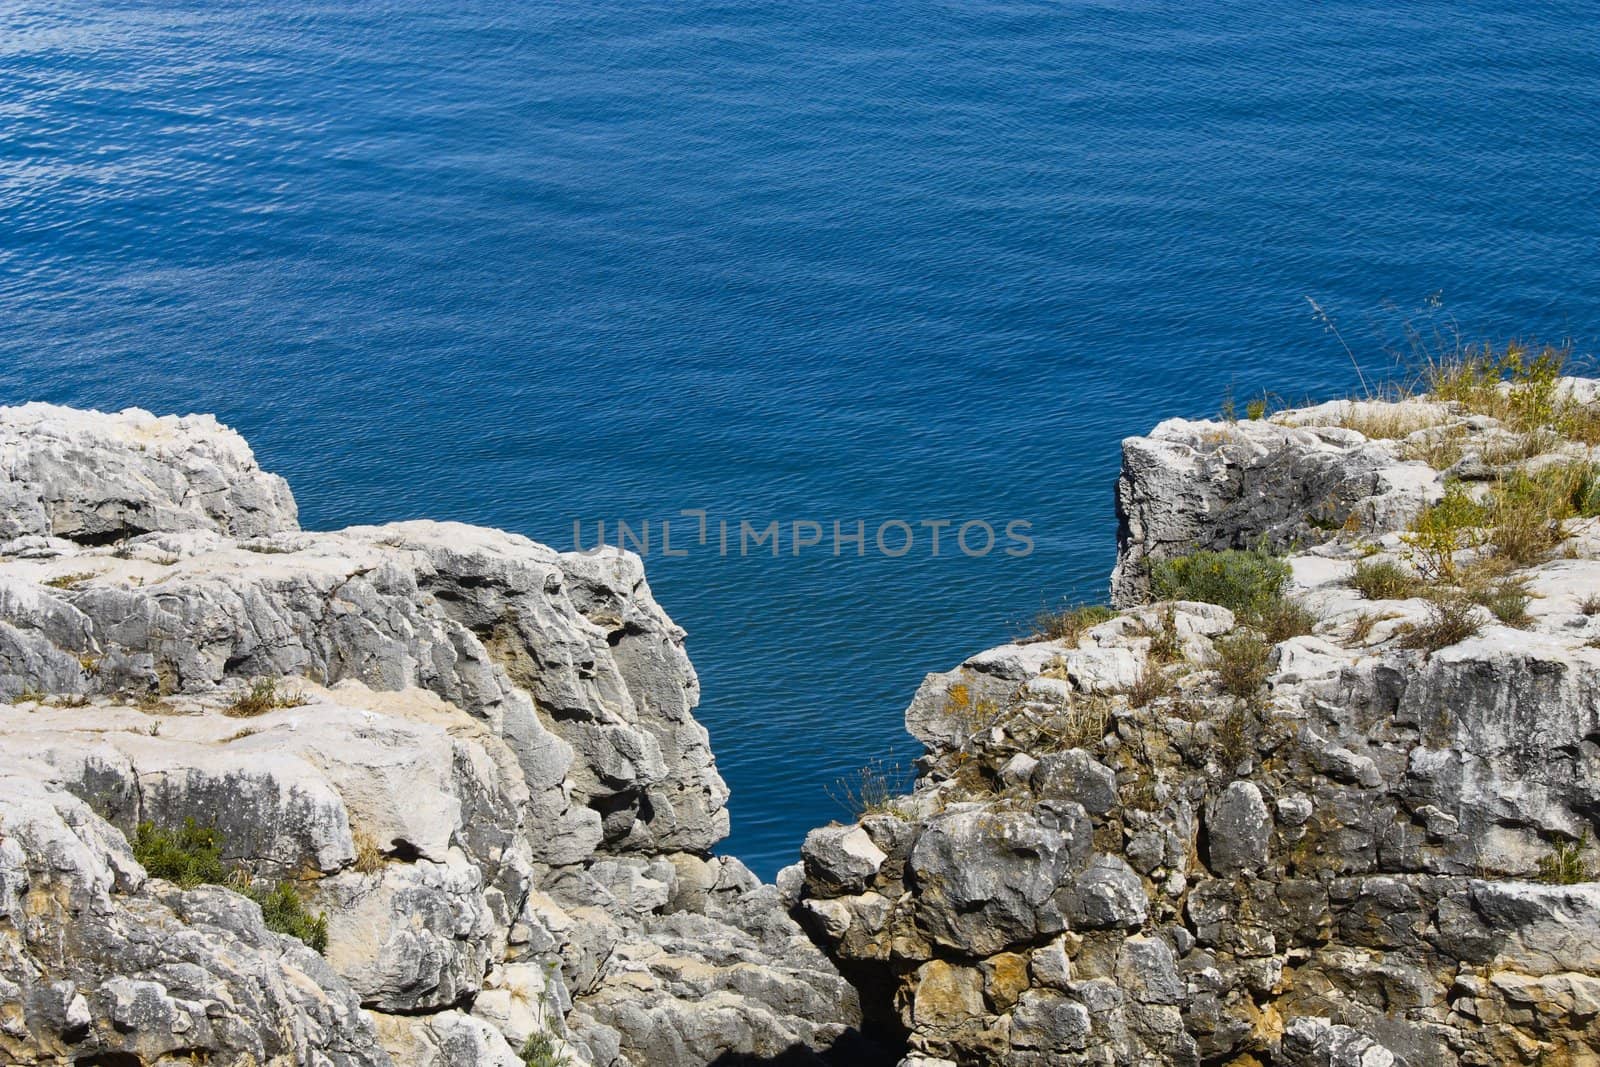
95, 478
1238, 829
1347, 865
475, 755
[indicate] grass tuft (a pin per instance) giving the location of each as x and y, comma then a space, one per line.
1383, 579
1565, 865
1507, 599
871, 790
1165, 644
1068, 623
1241, 664
1151, 685
1450, 621
263, 697
1286, 619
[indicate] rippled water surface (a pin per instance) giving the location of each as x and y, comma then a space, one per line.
518, 264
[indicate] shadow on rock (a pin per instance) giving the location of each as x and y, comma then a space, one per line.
850, 1050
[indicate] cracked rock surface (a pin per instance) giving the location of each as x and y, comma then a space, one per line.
476, 756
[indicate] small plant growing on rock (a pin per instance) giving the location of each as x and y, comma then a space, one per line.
1068, 623
369, 857
1361, 629
542, 1050
1383, 579
1246, 582
1152, 684
1380, 422
1439, 449
190, 856
1450, 621
1083, 723
1165, 644
1526, 512
1442, 530
151, 702
1236, 736
1565, 865
1285, 619
1241, 664
69, 581
1584, 494
871, 790
284, 912
262, 697
1506, 599
1590, 605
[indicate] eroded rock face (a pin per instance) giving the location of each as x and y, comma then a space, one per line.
95, 960
95, 478
1190, 485
475, 755
1112, 857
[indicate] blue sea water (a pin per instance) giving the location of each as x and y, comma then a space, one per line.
521, 264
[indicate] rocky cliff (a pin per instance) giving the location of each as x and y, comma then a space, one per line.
1321, 792
473, 758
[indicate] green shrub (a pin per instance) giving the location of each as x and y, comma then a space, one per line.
285, 913
1246, 582
1241, 664
1383, 579
1443, 529
192, 856
541, 1050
